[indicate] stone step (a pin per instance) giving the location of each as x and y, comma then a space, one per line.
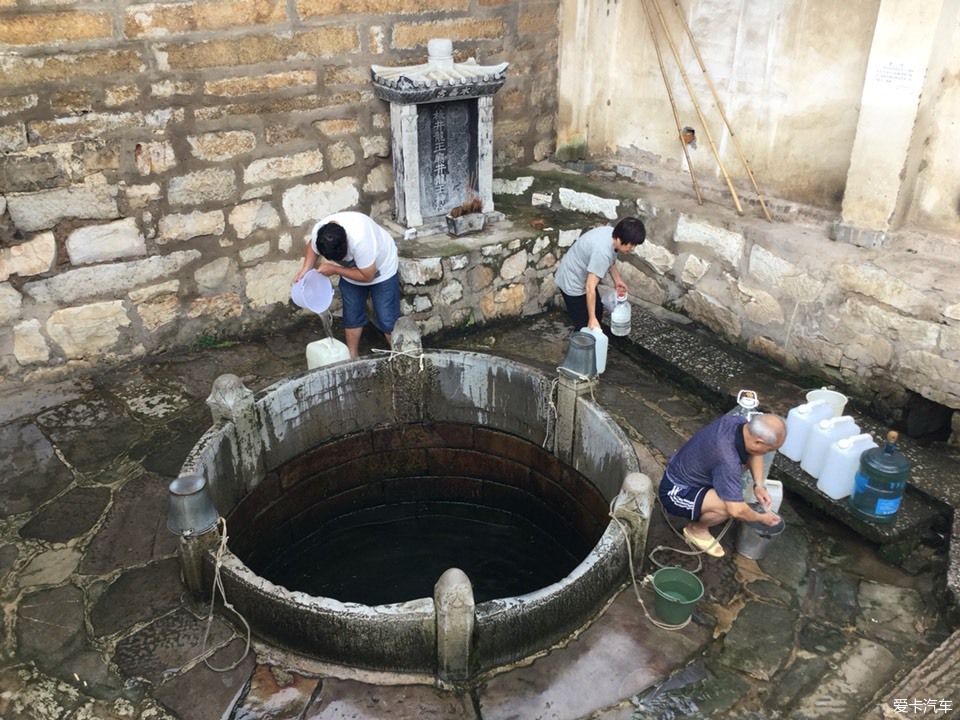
930, 688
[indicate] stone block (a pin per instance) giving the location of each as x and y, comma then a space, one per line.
411, 35
516, 186
222, 145
216, 307
81, 283
514, 266
277, 168
588, 203
89, 126
29, 345
251, 49
253, 84
217, 276
420, 271
202, 186
726, 245
154, 20
17, 103
537, 22
251, 216
712, 313
45, 28
269, 283
33, 257
176, 228
787, 278
121, 95
87, 330
332, 128
10, 303
42, 210
379, 180
872, 282
309, 203
154, 157
323, 8
23, 173
113, 241
12, 139
375, 146
29, 72
340, 155
861, 237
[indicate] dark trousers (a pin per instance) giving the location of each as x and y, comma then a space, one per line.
577, 309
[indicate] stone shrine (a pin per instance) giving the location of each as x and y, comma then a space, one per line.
441, 117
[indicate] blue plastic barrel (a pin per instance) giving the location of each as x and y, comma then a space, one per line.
879, 483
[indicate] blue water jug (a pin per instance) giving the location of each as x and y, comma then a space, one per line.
879, 483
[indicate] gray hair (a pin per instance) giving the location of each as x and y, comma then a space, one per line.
770, 428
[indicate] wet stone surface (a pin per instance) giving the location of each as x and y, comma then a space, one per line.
99, 625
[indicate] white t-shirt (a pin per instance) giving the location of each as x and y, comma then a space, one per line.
592, 253
367, 244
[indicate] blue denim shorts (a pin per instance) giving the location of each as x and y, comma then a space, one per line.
386, 303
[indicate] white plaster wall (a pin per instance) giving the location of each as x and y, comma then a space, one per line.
789, 74
937, 201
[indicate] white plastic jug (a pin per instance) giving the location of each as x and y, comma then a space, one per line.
821, 437
600, 347
326, 351
841, 465
800, 420
620, 316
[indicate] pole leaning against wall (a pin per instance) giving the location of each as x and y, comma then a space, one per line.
693, 97
673, 105
723, 113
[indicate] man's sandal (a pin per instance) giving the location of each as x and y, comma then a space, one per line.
711, 547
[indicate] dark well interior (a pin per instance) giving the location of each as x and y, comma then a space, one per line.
377, 516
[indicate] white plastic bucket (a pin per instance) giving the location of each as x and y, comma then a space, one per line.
836, 400
313, 291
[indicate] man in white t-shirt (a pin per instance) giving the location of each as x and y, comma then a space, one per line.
588, 260
364, 255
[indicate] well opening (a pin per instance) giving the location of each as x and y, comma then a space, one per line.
377, 517
370, 446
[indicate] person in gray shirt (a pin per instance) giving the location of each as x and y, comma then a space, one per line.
588, 260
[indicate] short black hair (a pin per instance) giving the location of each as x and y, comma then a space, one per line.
630, 231
331, 242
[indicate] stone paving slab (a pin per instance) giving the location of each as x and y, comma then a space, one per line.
618, 656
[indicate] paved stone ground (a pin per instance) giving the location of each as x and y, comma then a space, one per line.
96, 624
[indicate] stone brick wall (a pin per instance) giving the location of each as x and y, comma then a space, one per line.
162, 162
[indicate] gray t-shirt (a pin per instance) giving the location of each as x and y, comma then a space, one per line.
592, 253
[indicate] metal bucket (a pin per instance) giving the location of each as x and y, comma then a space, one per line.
754, 538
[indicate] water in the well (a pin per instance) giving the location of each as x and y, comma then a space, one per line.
398, 553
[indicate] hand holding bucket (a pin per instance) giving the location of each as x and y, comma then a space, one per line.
313, 291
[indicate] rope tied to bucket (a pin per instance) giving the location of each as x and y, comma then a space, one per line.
218, 587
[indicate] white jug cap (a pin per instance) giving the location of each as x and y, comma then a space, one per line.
847, 442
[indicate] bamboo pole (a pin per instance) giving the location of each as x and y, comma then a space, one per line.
723, 114
673, 105
696, 105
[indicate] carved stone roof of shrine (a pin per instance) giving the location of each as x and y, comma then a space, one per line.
436, 82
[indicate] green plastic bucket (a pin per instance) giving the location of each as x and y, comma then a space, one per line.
677, 592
